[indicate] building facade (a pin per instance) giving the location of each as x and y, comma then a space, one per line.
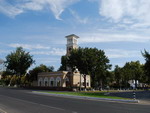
65, 78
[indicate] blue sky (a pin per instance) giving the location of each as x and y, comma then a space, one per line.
119, 27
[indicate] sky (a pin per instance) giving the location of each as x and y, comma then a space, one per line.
119, 27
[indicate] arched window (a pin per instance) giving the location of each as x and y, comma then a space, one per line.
58, 81
40, 82
45, 81
51, 82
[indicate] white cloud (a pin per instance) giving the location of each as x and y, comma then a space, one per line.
112, 37
46, 50
47, 60
31, 6
30, 47
120, 53
56, 6
1, 61
128, 21
117, 10
111, 9
53, 51
9, 9
78, 18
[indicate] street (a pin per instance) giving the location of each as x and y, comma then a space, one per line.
24, 101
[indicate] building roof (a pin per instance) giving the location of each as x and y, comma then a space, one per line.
53, 73
72, 35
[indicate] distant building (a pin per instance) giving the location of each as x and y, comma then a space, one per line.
135, 83
65, 78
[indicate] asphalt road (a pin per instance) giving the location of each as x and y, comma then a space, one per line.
23, 101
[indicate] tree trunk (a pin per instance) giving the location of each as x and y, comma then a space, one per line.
84, 81
135, 83
101, 85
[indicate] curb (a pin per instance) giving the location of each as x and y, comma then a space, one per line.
85, 97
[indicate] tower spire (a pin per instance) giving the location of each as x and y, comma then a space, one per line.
71, 43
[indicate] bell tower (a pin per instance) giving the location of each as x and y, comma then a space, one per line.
71, 43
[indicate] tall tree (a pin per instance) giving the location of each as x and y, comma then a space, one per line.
19, 61
118, 75
63, 63
101, 67
146, 55
90, 61
132, 71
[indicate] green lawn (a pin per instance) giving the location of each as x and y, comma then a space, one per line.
88, 94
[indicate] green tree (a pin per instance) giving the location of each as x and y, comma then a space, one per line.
118, 76
63, 63
25, 80
90, 61
137, 71
42, 68
6, 80
101, 67
19, 61
132, 71
146, 55
15, 80
7, 72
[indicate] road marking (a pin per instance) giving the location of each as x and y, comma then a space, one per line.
2, 111
36, 104
74, 112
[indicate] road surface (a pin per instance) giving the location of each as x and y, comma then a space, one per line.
24, 101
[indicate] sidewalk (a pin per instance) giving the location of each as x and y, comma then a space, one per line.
144, 102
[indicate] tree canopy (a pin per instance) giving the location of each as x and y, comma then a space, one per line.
130, 71
42, 68
63, 63
19, 61
118, 75
89, 61
146, 55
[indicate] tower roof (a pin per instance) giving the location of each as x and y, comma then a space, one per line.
72, 35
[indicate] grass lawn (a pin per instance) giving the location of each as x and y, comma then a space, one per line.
88, 94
